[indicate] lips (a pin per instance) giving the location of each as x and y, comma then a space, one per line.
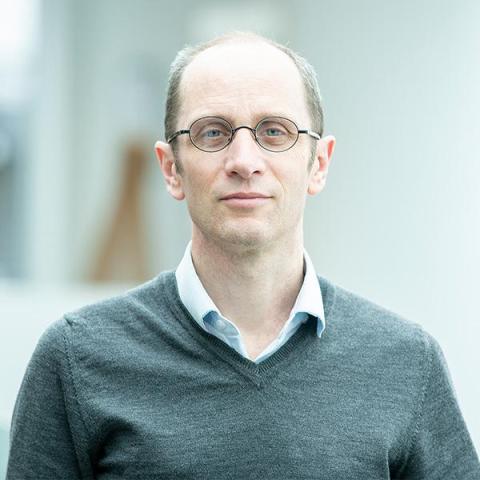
244, 195
245, 200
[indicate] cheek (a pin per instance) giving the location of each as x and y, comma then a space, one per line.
295, 181
197, 186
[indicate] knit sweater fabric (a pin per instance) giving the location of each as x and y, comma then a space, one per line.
133, 388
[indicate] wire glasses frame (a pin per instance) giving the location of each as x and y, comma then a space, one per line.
212, 134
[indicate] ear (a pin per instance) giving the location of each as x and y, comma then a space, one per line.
166, 160
323, 156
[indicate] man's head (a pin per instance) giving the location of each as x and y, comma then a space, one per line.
243, 79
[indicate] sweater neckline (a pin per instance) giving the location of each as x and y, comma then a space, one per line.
305, 335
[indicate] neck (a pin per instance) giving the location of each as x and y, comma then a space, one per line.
255, 288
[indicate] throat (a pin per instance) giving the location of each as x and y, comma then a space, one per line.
256, 294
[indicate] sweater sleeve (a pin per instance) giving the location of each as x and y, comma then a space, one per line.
42, 441
441, 447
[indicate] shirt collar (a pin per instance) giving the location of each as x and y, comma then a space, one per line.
197, 301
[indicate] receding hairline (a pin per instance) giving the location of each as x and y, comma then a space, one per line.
242, 40
235, 38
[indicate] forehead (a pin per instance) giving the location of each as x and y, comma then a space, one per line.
242, 82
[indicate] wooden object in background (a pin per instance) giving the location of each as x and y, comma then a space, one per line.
121, 256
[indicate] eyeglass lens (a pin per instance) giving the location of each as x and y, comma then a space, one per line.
273, 133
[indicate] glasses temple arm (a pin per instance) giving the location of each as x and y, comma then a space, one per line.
311, 133
176, 134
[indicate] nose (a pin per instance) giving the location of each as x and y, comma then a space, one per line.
244, 155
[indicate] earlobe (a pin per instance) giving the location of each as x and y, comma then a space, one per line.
166, 160
317, 182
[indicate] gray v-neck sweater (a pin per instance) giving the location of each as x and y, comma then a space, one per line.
132, 387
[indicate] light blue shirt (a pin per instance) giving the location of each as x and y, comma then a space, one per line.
201, 307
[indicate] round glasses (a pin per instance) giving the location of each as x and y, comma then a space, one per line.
212, 134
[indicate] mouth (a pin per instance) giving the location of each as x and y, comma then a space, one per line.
245, 199
244, 195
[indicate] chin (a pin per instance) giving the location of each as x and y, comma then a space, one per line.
244, 234
247, 236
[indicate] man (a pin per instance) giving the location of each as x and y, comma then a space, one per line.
241, 364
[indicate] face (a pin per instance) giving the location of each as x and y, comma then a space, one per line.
244, 195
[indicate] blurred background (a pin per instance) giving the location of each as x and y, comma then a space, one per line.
83, 209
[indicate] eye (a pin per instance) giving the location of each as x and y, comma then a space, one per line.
273, 132
271, 129
210, 133
213, 132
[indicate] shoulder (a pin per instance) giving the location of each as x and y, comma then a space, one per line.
114, 320
364, 324
146, 299
115, 334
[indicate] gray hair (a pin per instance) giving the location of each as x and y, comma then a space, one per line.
187, 54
